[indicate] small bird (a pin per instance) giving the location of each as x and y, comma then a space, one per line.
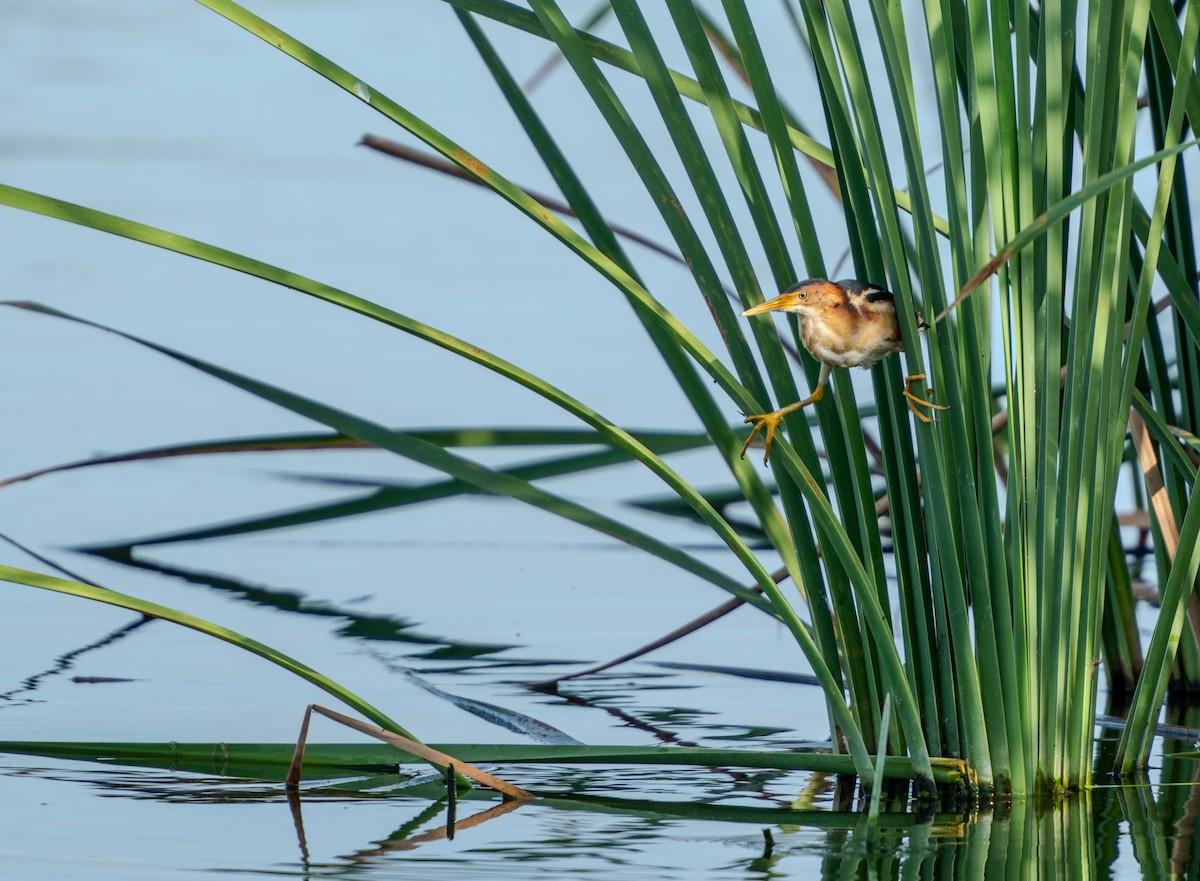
842, 324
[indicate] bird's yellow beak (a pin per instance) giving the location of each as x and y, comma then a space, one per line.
783, 301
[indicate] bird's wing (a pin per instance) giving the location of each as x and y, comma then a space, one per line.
872, 293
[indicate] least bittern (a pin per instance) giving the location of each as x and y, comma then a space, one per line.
842, 324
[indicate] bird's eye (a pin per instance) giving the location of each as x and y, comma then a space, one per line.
804, 295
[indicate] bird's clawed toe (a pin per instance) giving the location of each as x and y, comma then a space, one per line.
766, 423
914, 401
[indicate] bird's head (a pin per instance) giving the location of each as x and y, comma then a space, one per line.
808, 297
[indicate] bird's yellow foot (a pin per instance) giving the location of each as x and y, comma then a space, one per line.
770, 421
914, 402
766, 423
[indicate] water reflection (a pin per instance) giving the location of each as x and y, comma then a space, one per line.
65, 662
1112, 831
357, 625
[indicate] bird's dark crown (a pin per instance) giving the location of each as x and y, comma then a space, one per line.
872, 293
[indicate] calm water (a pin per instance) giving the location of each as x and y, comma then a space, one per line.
169, 115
